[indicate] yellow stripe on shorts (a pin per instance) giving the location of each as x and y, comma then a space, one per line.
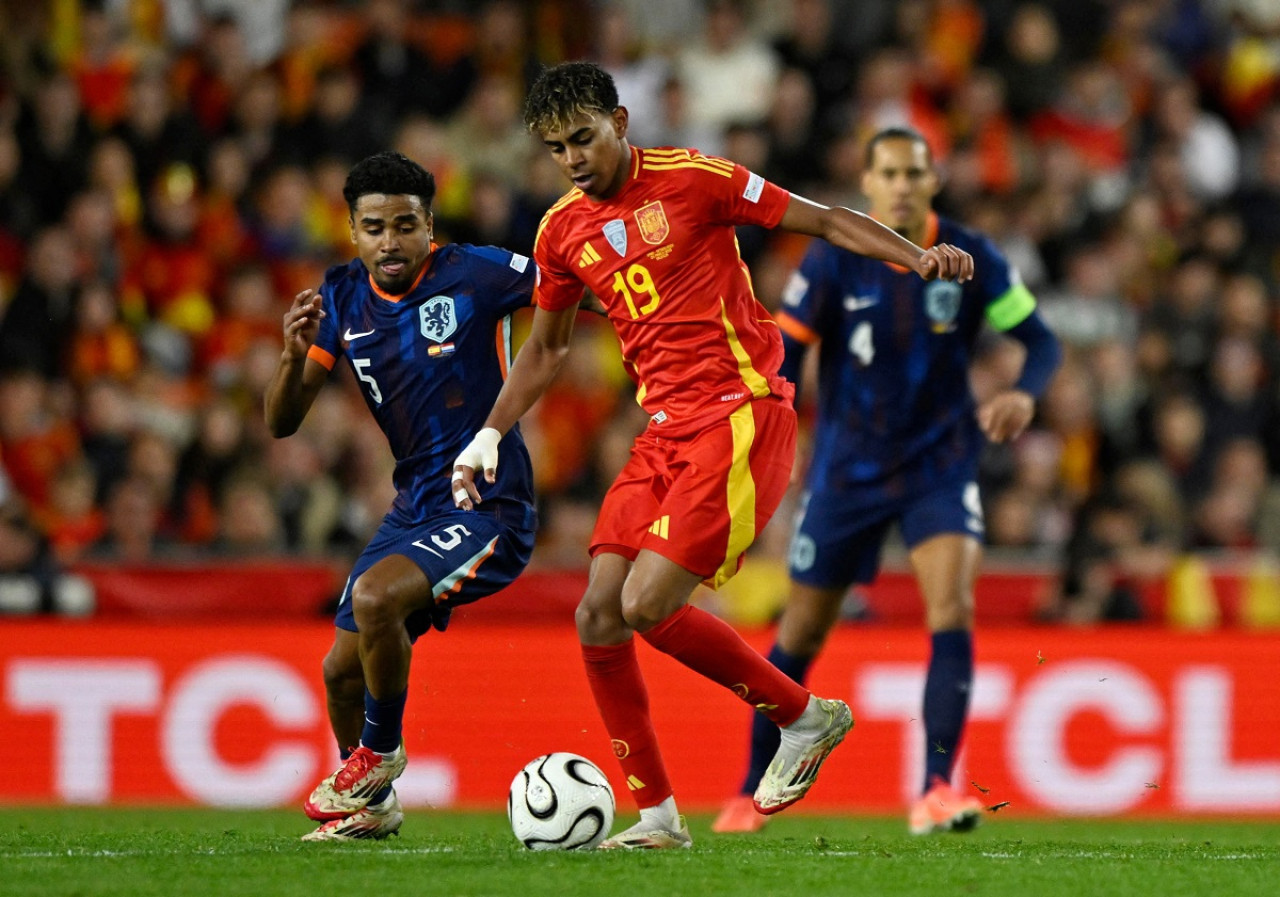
741, 494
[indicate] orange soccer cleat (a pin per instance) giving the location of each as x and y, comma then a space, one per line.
943, 809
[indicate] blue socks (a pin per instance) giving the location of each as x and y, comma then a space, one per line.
946, 700
765, 735
382, 721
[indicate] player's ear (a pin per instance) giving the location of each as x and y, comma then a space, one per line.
935, 174
431, 225
621, 118
351, 223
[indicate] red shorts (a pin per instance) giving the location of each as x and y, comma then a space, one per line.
702, 499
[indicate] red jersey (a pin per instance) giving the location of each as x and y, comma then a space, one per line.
663, 258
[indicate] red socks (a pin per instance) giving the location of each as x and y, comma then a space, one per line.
708, 645
623, 701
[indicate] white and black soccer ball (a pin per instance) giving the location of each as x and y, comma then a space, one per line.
560, 801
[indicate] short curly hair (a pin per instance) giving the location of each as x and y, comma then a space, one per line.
390, 173
565, 91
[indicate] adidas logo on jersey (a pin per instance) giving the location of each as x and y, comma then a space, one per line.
661, 526
589, 256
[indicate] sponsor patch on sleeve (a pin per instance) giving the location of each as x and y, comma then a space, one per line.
519, 262
755, 186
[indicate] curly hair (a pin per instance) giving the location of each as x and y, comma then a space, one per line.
565, 91
390, 173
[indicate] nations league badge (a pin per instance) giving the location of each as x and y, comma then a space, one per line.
942, 304
438, 318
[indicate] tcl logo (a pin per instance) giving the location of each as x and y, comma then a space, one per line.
1136, 738
90, 699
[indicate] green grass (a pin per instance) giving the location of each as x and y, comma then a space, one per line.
211, 853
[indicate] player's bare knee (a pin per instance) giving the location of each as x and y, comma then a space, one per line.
373, 606
598, 623
642, 610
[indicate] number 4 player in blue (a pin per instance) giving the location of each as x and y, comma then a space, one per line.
897, 440
426, 330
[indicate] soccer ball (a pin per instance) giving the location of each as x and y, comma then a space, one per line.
560, 801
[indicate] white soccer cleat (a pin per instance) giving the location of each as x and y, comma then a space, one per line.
795, 766
350, 787
645, 836
374, 822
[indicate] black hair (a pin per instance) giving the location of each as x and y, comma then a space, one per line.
897, 132
563, 92
393, 174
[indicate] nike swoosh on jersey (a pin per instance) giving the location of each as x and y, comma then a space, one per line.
858, 303
349, 336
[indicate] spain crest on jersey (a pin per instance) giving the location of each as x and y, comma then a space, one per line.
653, 223
438, 318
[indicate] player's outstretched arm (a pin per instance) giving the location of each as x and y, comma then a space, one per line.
536, 365
1008, 413
864, 235
296, 380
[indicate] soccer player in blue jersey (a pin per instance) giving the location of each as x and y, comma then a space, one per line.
897, 440
426, 330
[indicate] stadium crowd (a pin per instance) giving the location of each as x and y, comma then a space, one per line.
171, 173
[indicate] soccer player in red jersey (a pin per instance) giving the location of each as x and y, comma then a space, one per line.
650, 232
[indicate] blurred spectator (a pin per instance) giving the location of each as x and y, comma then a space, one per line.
727, 73
157, 132
249, 523
639, 76
1112, 554
73, 521
132, 533
54, 137
338, 124
91, 219
36, 327
486, 135
1029, 57
204, 468
101, 344
102, 63
1088, 309
1184, 314
1207, 149
260, 22
171, 280
396, 77
107, 423
35, 438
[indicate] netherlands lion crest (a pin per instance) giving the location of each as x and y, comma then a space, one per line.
942, 304
653, 223
438, 318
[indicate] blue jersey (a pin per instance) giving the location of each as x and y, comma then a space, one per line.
893, 395
430, 364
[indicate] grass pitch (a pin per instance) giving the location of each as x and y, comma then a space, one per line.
212, 853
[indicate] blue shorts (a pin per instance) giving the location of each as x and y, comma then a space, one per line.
838, 539
465, 555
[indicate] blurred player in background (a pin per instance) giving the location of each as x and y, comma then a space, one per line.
651, 233
417, 323
897, 441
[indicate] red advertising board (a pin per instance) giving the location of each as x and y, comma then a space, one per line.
1111, 721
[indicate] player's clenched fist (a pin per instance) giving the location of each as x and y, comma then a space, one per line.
302, 323
945, 262
480, 454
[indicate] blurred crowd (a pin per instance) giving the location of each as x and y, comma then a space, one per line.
171, 173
